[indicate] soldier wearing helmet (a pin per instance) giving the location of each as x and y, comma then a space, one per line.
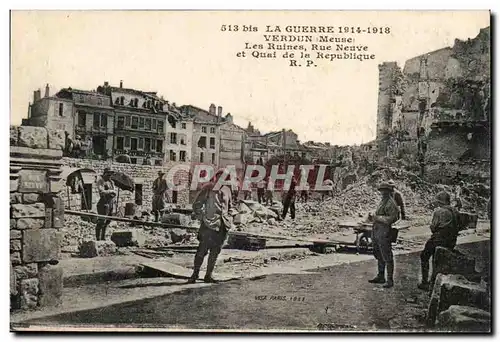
444, 228
386, 214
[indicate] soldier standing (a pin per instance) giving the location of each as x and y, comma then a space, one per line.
269, 191
159, 191
398, 198
444, 228
261, 185
212, 207
386, 214
289, 201
106, 202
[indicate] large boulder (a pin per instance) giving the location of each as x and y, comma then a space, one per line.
93, 248
176, 218
455, 289
464, 318
126, 238
257, 210
447, 261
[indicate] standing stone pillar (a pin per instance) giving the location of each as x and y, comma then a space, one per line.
36, 214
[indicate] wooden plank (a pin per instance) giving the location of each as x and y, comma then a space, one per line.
195, 229
169, 269
123, 219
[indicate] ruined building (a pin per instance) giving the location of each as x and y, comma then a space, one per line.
434, 115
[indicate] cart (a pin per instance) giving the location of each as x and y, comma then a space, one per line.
363, 231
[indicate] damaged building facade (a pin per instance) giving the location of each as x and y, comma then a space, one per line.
434, 115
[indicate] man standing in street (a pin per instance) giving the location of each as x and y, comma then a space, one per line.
386, 214
269, 191
106, 202
159, 191
289, 201
212, 207
261, 185
247, 189
444, 228
398, 198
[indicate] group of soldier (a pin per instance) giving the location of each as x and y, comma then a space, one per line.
213, 206
107, 199
445, 226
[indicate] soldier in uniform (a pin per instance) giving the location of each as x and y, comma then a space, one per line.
398, 198
212, 207
444, 228
386, 214
105, 205
289, 201
159, 192
269, 191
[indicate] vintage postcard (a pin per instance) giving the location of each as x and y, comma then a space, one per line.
250, 171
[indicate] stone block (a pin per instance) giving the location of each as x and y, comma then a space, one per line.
13, 223
14, 135
15, 245
40, 245
48, 218
126, 238
56, 139
176, 218
17, 153
26, 271
28, 210
455, 289
13, 281
50, 285
33, 181
16, 198
14, 184
30, 223
465, 318
58, 213
29, 293
31, 198
92, 249
15, 258
33, 137
446, 261
15, 234
57, 186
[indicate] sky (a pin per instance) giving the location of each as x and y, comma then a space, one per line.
185, 57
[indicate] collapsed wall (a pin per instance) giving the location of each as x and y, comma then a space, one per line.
36, 216
439, 88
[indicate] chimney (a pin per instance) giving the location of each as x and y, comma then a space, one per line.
47, 90
219, 114
211, 110
106, 83
36, 95
121, 84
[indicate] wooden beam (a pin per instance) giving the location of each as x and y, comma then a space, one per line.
123, 219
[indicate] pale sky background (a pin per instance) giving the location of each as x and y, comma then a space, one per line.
186, 58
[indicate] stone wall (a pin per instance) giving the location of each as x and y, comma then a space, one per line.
36, 215
143, 175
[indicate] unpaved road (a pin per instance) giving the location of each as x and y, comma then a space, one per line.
338, 295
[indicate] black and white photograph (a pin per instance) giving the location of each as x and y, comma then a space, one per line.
251, 171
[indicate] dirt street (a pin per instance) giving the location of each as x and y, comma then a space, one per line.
338, 296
